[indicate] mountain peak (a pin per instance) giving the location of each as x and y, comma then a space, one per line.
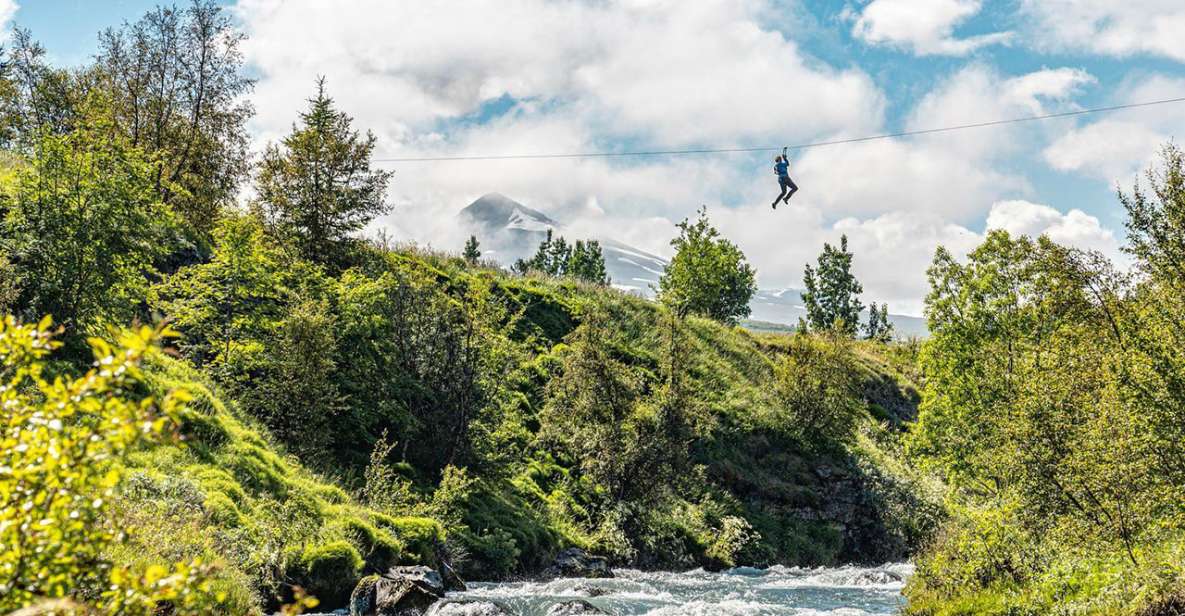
497, 211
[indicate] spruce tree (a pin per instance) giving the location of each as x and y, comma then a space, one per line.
832, 293
472, 254
317, 187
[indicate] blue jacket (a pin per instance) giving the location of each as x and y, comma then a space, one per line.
782, 168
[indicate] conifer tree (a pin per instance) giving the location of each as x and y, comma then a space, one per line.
832, 296
317, 186
472, 254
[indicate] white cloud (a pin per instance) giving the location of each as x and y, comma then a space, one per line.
1116, 148
1108, 27
1074, 228
924, 26
665, 72
8, 9
1111, 150
953, 175
598, 74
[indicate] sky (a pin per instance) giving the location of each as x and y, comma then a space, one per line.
493, 77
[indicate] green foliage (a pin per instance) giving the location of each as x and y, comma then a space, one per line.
1052, 402
322, 568
471, 253
83, 229
878, 328
817, 385
299, 398
317, 187
177, 90
832, 293
240, 294
35, 97
709, 276
65, 446
583, 261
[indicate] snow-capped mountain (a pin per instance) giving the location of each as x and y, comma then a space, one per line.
509, 230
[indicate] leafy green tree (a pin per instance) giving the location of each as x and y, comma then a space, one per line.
472, 252
177, 90
879, 328
555, 257
65, 446
318, 186
299, 397
708, 276
595, 410
83, 230
237, 297
587, 263
832, 293
35, 97
1156, 220
818, 386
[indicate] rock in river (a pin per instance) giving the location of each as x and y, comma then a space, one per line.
575, 562
574, 608
402, 591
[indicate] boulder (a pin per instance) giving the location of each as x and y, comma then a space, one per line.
575, 562
876, 576
588, 590
574, 608
401, 591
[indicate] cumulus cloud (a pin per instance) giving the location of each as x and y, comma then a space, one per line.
954, 175
1074, 228
926, 27
1106, 27
8, 9
510, 77
667, 73
1116, 148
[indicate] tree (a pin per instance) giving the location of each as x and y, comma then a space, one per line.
237, 297
176, 83
832, 292
83, 230
317, 187
299, 397
471, 254
555, 257
708, 276
587, 263
67, 443
817, 384
879, 328
597, 412
34, 97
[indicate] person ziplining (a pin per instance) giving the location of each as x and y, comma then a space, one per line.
782, 170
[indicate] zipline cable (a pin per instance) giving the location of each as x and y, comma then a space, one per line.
801, 146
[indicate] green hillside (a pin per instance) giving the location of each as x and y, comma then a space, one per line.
721, 471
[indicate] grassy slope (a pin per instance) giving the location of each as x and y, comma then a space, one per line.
230, 494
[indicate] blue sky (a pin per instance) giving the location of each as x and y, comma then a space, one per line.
496, 77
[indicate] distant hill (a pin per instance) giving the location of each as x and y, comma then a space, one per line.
509, 230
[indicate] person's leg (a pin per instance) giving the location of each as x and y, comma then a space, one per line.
793, 189
782, 195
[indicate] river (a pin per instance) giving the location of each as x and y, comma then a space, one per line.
777, 591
